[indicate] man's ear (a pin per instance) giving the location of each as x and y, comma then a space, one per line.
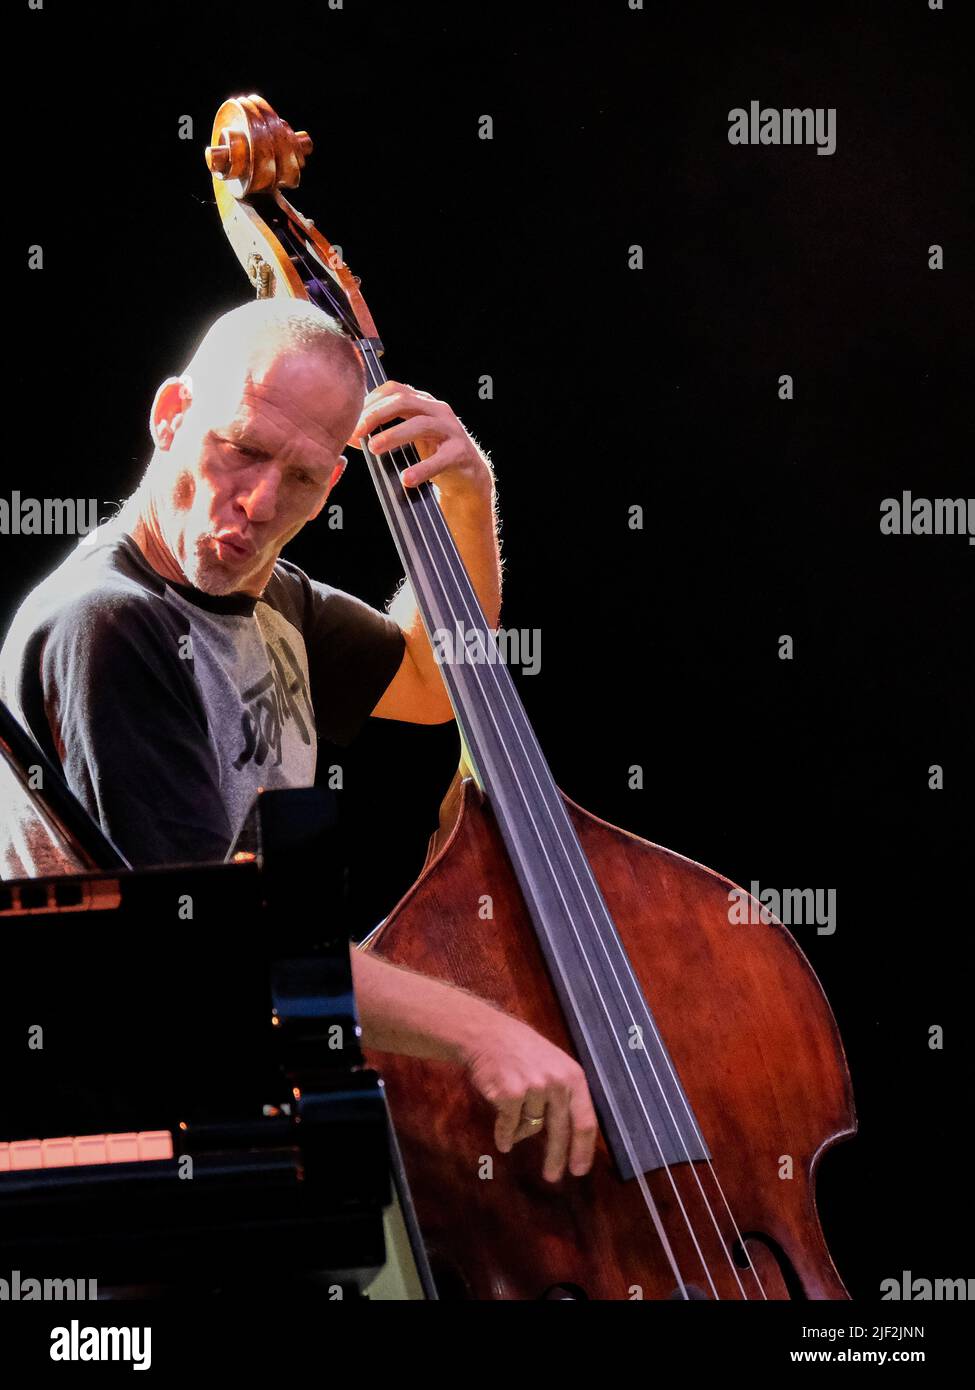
337, 472
172, 401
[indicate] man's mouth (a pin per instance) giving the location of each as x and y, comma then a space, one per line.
231, 547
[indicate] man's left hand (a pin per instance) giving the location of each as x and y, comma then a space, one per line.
447, 452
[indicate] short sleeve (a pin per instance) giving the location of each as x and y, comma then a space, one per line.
354, 651
130, 731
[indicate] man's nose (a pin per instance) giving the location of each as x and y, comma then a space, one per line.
260, 501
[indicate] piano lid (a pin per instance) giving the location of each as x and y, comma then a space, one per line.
80, 835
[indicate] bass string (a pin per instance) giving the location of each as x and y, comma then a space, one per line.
571, 840
434, 509
436, 523
387, 484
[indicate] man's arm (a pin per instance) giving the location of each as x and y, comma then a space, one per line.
514, 1068
465, 486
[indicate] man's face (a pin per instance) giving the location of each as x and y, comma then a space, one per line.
252, 464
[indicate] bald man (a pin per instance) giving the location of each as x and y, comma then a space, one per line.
174, 663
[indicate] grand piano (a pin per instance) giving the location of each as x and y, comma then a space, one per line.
185, 1108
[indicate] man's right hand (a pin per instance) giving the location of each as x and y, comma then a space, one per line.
523, 1075
526, 1077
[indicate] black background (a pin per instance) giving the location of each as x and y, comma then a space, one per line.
613, 387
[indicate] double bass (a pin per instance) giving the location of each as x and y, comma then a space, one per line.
711, 1053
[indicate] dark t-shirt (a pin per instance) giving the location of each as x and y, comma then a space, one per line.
167, 709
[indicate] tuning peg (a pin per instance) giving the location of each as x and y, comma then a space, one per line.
218, 159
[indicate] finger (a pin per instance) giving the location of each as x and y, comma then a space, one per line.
386, 388
509, 1114
532, 1107
375, 413
585, 1129
442, 458
390, 387
406, 433
380, 409
559, 1130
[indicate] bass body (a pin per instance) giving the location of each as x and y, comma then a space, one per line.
752, 1038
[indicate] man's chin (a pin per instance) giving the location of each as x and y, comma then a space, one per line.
210, 576
212, 581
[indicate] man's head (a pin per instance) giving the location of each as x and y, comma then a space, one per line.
249, 444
